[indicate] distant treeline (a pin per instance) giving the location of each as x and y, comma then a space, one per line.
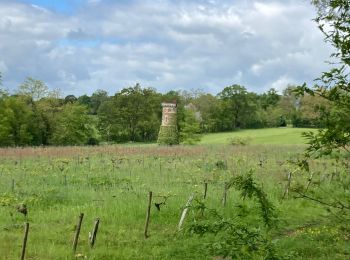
36, 116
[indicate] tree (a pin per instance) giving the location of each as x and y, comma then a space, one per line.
85, 100
133, 114
311, 112
238, 107
73, 126
3, 92
190, 127
36, 89
209, 108
271, 98
70, 99
97, 98
16, 121
334, 85
47, 109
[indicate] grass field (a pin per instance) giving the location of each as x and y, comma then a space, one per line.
285, 135
112, 183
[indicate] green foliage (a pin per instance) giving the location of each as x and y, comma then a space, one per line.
96, 100
233, 238
36, 89
70, 99
168, 135
85, 100
190, 128
112, 183
133, 114
238, 107
16, 121
334, 85
74, 126
209, 108
221, 165
249, 189
270, 99
239, 140
273, 116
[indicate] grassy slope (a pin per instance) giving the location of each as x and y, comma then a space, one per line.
261, 136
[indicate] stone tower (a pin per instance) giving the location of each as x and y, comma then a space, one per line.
168, 133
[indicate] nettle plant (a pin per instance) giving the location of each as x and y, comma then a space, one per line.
232, 236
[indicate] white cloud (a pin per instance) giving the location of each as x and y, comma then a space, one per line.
281, 83
164, 44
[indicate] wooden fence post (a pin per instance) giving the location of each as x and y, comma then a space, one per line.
76, 236
184, 212
205, 190
26, 231
148, 216
94, 233
286, 192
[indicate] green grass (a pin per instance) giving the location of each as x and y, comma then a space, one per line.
112, 183
283, 135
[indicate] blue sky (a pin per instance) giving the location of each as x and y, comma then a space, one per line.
64, 6
80, 46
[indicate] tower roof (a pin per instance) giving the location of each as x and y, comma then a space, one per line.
169, 104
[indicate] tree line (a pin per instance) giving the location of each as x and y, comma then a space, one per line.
35, 115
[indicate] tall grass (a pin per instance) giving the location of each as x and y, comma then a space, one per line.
112, 183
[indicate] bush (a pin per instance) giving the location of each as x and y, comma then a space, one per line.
239, 140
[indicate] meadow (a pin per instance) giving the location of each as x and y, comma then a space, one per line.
112, 183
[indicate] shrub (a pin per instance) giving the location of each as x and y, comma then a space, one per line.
239, 140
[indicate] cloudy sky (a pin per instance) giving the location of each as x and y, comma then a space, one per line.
80, 46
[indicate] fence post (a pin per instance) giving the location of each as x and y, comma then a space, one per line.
26, 231
76, 237
184, 212
205, 190
148, 216
94, 232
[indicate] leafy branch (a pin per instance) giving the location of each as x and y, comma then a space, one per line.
249, 189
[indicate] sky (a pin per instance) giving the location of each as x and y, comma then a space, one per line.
80, 46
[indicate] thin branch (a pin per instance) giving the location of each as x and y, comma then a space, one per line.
342, 206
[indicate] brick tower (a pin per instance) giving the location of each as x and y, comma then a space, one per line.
168, 133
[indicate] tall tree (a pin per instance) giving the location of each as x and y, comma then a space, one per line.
97, 98
190, 127
270, 98
3, 92
47, 109
85, 100
208, 107
334, 85
36, 89
238, 107
133, 114
70, 99
16, 121
73, 126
